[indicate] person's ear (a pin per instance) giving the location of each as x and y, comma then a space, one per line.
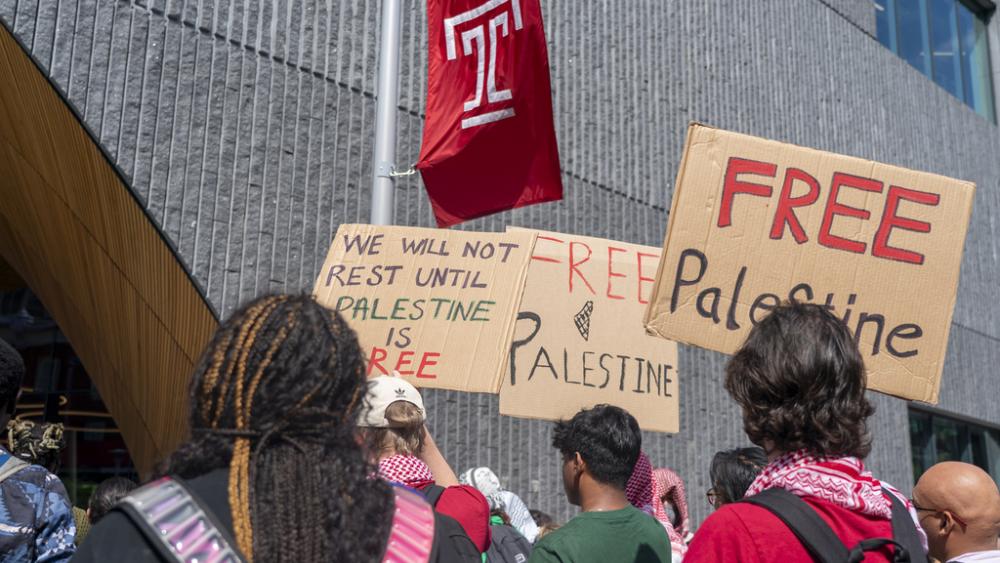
578, 462
947, 523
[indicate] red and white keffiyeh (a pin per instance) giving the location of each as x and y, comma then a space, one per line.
406, 470
842, 481
671, 488
643, 492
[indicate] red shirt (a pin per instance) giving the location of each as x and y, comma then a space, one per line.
469, 507
747, 532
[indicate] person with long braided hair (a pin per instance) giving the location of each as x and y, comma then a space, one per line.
272, 458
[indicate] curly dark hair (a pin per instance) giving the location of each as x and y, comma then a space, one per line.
274, 399
607, 438
732, 472
800, 381
107, 495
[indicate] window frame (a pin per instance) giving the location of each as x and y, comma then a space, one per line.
982, 10
965, 423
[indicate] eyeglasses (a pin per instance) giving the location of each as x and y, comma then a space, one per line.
711, 496
919, 508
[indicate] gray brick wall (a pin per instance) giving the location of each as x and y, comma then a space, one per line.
245, 127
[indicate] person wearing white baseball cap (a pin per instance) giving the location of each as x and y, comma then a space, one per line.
383, 391
391, 424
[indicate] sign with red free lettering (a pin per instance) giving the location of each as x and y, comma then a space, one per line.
489, 143
579, 339
437, 307
756, 222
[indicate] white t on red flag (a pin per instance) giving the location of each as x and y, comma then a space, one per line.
489, 143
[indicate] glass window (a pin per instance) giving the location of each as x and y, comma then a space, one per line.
945, 40
935, 438
944, 46
974, 58
911, 33
885, 23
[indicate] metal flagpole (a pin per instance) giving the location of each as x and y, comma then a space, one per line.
387, 98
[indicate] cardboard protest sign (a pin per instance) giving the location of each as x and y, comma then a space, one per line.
579, 339
436, 306
756, 222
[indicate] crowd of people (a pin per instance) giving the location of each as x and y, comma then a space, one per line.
294, 455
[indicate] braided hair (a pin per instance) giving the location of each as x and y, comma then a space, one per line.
274, 399
40, 444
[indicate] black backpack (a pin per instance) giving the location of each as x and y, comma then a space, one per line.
824, 545
460, 547
507, 545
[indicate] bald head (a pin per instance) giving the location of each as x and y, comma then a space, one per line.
970, 495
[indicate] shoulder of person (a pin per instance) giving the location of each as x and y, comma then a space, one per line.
561, 535
465, 490
35, 474
115, 538
731, 513
39, 481
466, 495
725, 536
546, 551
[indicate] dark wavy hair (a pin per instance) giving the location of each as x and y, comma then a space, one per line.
274, 399
732, 472
607, 438
800, 381
107, 495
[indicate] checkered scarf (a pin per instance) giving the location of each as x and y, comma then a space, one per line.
405, 469
842, 481
671, 487
643, 491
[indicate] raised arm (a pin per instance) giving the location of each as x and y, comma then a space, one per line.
432, 456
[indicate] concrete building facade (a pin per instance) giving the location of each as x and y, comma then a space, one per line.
244, 129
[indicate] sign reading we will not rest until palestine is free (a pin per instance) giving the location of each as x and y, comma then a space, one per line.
436, 306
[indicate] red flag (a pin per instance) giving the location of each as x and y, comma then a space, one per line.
489, 143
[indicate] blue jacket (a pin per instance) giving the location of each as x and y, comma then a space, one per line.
36, 519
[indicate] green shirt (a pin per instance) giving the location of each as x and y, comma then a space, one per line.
619, 536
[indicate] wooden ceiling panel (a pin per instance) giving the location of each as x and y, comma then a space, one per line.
73, 230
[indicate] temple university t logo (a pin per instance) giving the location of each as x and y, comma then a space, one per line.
478, 30
488, 94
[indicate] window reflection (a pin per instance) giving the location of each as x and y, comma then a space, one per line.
945, 40
935, 438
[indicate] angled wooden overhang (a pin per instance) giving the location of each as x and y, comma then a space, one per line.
72, 229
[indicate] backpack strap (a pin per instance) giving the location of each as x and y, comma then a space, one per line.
857, 554
904, 530
176, 524
811, 530
433, 493
411, 538
10, 464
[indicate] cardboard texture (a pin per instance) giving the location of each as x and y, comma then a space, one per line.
436, 306
579, 339
754, 222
